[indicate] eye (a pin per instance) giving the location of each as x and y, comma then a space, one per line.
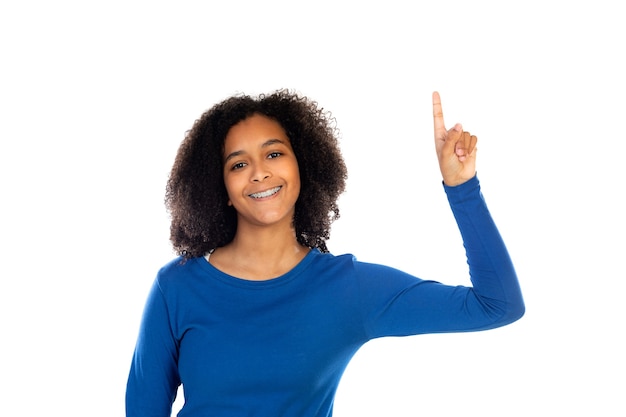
273, 155
237, 166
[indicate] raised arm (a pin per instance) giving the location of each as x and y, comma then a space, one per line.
399, 304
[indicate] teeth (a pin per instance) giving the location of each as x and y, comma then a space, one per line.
265, 193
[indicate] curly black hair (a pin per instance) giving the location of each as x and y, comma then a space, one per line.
196, 198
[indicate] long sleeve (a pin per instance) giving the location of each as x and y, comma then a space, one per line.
493, 276
398, 304
278, 347
153, 380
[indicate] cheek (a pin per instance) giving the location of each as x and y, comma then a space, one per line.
231, 187
299, 184
297, 189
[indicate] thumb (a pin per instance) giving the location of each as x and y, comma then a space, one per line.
452, 137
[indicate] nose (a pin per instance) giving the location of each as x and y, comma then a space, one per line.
260, 173
260, 179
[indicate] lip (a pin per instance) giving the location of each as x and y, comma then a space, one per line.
270, 192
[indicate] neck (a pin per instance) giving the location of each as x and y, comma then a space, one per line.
265, 243
260, 253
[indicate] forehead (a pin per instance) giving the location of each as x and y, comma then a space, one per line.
252, 135
253, 128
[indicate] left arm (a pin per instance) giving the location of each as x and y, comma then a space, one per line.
398, 304
402, 305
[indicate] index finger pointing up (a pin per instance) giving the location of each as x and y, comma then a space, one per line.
440, 127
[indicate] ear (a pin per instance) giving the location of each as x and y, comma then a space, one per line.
230, 203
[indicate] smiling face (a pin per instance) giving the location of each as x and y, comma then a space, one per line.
261, 172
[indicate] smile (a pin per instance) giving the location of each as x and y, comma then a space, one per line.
267, 193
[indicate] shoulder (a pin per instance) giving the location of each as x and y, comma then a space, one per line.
347, 265
178, 270
175, 265
346, 261
327, 260
369, 273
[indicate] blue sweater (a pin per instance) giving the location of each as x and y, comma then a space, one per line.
279, 347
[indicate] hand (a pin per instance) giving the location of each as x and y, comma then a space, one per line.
456, 149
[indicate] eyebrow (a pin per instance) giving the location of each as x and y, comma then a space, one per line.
265, 144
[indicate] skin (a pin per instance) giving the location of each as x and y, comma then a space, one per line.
258, 157
456, 149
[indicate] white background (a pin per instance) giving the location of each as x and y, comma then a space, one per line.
96, 96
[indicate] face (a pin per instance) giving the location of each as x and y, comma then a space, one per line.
261, 172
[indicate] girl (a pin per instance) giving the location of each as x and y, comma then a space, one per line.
256, 317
